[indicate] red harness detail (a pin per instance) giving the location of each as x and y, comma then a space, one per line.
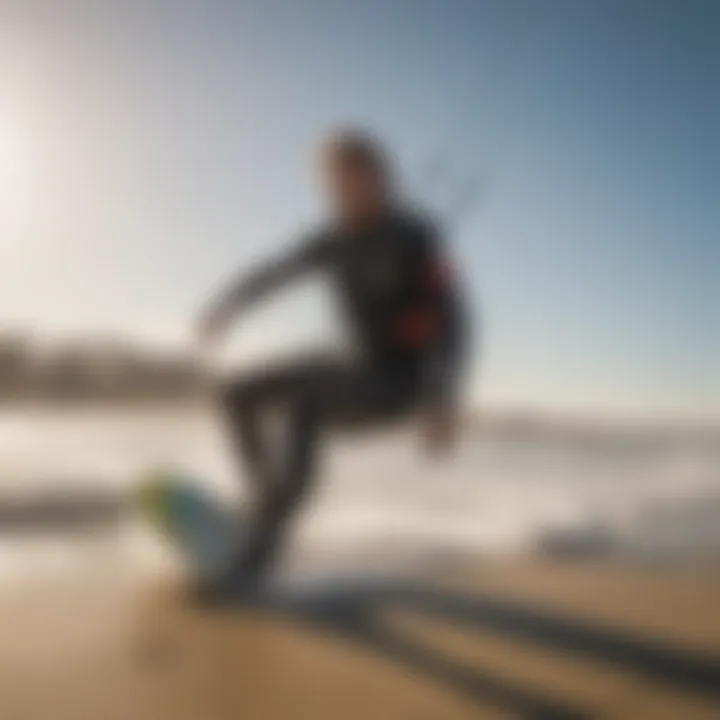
421, 327
417, 328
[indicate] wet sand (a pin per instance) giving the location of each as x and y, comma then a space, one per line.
483, 639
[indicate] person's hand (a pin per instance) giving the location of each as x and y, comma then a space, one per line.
440, 431
211, 328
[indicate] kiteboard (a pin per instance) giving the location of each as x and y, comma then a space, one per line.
198, 525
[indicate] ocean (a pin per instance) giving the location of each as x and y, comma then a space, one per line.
635, 493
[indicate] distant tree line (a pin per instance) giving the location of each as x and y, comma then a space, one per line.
94, 371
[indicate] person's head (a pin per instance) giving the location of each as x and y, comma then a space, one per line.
356, 174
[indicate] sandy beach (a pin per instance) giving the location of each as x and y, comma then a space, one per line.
465, 619
485, 638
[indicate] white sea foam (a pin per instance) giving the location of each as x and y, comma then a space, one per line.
498, 491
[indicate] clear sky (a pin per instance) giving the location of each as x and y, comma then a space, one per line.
148, 147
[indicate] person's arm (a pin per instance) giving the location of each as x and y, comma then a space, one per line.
441, 300
248, 288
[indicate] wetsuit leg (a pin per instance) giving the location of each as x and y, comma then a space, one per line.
280, 499
245, 402
315, 396
242, 402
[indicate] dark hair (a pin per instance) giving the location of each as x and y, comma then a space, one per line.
357, 148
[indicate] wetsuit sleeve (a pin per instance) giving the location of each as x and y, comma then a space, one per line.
440, 297
244, 290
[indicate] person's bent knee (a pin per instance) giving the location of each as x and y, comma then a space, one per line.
233, 396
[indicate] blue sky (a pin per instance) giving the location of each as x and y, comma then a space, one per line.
150, 147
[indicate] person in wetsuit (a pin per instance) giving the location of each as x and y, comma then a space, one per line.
403, 308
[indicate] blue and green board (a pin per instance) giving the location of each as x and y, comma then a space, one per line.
190, 518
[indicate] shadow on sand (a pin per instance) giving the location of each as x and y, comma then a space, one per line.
351, 610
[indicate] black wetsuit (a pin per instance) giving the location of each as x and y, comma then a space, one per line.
403, 308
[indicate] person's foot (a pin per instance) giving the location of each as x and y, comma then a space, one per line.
230, 588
